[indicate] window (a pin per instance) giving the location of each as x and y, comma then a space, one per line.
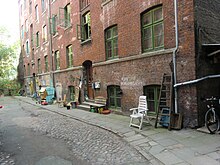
39, 65
69, 56
114, 95
85, 27
22, 31
27, 48
111, 42
46, 63
21, 10
30, 6
44, 33
24, 4
57, 60
26, 26
36, 13
43, 5
32, 54
37, 40
64, 16
32, 35
29, 70
84, 4
24, 70
54, 25
152, 92
72, 93
67, 11
152, 30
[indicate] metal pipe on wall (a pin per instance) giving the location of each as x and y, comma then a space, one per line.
174, 56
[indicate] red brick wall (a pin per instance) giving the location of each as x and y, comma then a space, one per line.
132, 70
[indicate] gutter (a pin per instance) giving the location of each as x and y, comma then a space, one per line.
197, 80
174, 56
51, 47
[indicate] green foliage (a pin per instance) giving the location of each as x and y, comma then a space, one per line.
8, 56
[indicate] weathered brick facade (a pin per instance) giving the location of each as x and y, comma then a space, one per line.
133, 69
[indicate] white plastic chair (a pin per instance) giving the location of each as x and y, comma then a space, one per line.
139, 113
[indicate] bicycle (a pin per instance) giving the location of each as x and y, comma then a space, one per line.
212, 116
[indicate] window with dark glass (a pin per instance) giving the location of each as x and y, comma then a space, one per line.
114, 96
152, 92
29, 70
54, 24
84, 30
39, 65
46, 63
111, 42
37, 40
152, 29
72, 93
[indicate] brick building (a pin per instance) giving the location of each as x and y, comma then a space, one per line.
121, 49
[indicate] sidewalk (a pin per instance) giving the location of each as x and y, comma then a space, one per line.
159, 146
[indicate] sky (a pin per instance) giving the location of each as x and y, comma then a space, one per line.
9, 18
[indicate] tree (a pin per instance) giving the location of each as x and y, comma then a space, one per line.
8, 60
8, 54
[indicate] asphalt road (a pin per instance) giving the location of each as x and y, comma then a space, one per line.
30, 135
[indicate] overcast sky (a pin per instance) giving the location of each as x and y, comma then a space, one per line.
9, 17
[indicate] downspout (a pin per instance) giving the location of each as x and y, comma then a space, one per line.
50, 46
174, 56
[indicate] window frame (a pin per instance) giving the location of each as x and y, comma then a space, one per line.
57, 59
44, 33
54, 23
113, 40
36, 13
39, 66
151, 26
67, 15
27, 48
152, 102
28, 69
46, 63
37, 39
43, 5
69, 56
114, 94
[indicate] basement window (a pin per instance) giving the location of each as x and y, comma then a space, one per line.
152, 92
114, 96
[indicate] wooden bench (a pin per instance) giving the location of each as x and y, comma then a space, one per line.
99, 104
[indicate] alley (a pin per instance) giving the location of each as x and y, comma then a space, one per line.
33, 135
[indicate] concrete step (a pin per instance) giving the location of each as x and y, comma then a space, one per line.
84, 107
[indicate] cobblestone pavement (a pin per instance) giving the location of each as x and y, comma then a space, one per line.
90, 143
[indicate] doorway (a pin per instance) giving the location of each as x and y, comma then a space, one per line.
88, 78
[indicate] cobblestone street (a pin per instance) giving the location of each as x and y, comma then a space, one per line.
89, 143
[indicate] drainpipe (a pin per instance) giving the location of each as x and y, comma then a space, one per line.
50, 45
174, 55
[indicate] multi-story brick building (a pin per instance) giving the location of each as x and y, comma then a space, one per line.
120, 50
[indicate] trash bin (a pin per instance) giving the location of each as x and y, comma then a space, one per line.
92, 109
